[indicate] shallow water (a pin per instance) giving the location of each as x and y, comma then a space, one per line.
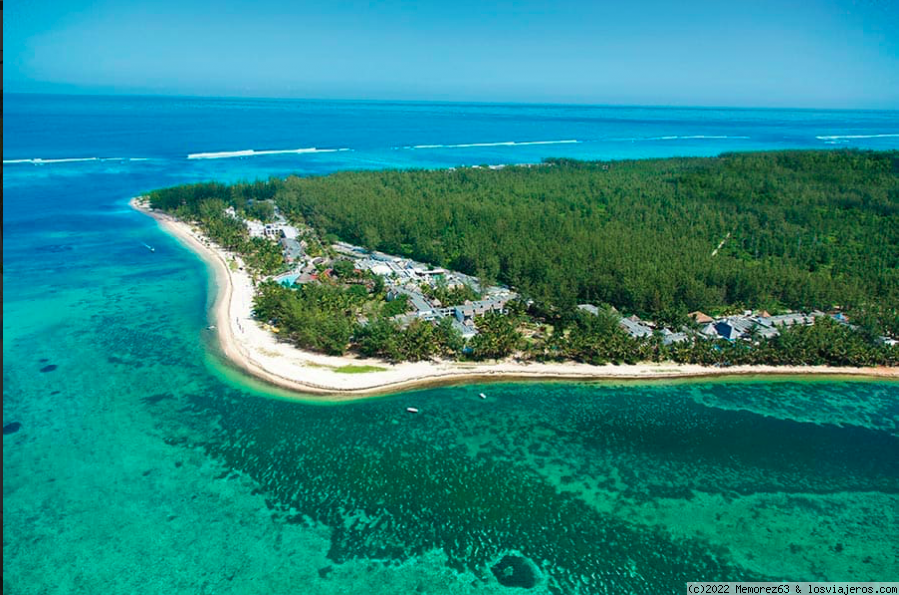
142, 464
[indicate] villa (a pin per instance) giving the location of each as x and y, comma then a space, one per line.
255, 228
635, 327
701, 318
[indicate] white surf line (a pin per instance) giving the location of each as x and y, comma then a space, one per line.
255, 153
508, 143
634, 139
699, 137
834, 137
41, 161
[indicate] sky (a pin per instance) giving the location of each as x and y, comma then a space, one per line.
742, 53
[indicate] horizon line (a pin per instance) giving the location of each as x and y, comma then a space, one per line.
444, 101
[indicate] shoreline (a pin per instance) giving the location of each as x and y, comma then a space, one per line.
257, 351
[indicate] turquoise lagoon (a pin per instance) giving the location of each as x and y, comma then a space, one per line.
135, 460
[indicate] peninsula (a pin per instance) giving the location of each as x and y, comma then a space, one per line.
411, 304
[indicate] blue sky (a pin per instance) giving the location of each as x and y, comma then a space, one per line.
807, 53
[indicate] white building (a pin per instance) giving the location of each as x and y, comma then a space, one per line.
256, 229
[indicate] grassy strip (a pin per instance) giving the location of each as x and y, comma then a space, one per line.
351, 369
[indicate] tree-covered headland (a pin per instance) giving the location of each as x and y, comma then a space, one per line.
780, 231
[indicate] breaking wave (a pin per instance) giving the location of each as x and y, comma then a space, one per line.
509, 143
633, 139
39, 161
254, 153
699, 137
839, 137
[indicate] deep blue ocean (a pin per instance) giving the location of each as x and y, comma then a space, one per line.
135, 460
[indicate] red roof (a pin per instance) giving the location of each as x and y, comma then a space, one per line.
700, 317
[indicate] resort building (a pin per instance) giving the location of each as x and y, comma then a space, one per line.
292, 249
790, 319
255, 228
671, 338
289, 232
701, 318
471, 310
734, 328
635, 327
709, 331
466, 330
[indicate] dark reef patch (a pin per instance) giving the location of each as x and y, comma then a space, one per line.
515, 571
49, 368
55, 248
11, 428
153, 399
485, 488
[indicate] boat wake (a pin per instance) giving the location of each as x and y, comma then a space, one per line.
254, 153
510, 143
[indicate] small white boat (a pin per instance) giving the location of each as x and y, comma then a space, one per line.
482, 395
411, 409
211, 327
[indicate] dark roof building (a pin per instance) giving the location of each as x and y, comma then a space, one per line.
634, 328
292, 249
675, 338
734, 328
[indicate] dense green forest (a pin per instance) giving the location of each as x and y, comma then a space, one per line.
800, 229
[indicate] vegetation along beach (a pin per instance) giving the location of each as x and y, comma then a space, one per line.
605, 366
470, 298
297, 306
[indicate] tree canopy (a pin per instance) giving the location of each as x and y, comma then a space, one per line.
800, 229
793, 230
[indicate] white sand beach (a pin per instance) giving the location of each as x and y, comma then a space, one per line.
258, 351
